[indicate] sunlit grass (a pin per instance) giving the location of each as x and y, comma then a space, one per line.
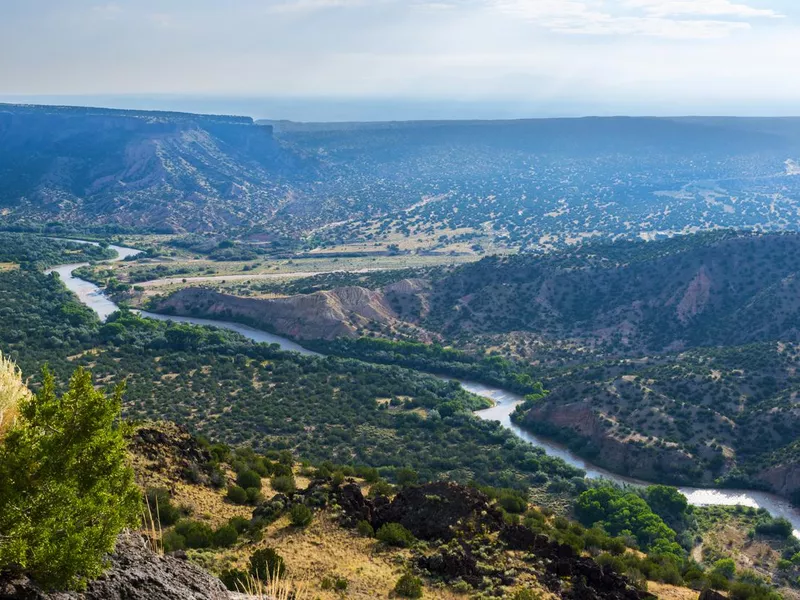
274, 588
12, 392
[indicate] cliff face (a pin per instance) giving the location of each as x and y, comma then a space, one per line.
618, 454
784, 479
165, 170
343, 312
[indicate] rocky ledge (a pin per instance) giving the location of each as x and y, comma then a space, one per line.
136, 573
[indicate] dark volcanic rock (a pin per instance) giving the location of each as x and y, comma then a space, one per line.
435, 511
451, 563
711, 595
355, 507
136, 573
171, 449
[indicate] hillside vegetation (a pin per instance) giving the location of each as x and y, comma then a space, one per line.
669, 361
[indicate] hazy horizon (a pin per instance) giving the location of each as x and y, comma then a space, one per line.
376, 109
337, 60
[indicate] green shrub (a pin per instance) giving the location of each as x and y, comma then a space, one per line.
408, 586
285, 458
266, 563
225, 537
725, 567
254, 496
781, 528
284, 484
249, 479
395, 534
66, 484
172, 541
718, 581
381, 488
237, 495
300, 515
365, 529
340, 584
240, 524
261, 466
197, 534
513, 503
234, 579
406, 477
526, 595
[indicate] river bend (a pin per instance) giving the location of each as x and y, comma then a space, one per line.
504, 402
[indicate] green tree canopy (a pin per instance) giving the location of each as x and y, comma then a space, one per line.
619, 511
66, 489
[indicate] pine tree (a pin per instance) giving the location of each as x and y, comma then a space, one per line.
66, 489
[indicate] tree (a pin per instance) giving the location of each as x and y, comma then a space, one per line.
67, 487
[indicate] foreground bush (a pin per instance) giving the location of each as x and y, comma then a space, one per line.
67, 488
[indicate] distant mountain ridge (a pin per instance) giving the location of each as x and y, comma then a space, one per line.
148, 169
516, 184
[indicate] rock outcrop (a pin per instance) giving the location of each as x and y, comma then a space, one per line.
136, 573
170, 449
342, 312
438, 511
455, 516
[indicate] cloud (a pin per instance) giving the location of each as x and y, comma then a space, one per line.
700, 8
306, 6
697, 19
106, 12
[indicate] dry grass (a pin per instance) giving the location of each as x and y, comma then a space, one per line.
275, 588
12, 392
152, 527
662, 591
203, 503
326, 550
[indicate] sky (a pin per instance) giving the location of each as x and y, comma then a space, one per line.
394, 59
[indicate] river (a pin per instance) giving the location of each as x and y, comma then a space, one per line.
505, 402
